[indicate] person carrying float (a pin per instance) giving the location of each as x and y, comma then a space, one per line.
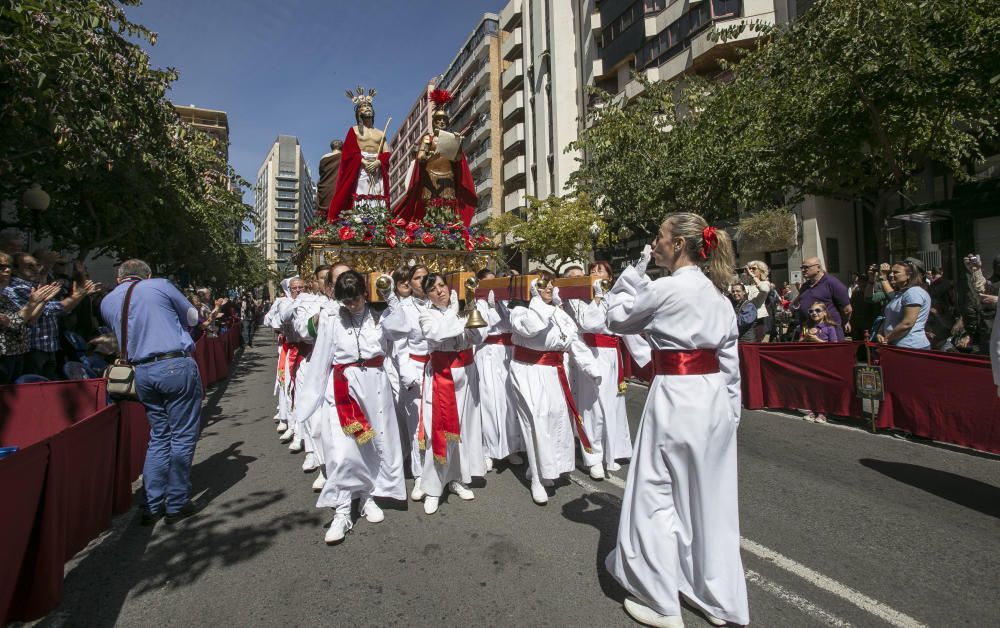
363, 458
542, 334
679, 532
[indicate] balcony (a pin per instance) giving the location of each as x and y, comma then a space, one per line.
514, 200
595, 23
482, 215
513, 77
598, 67
514, 137
510, 15
513, 169
482, 76
482, 104
511, 47
513, 105
479, 133
480, 158
485, 186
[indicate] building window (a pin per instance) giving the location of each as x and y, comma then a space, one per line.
653, 6
677, 36
286, 215
832, 255
620, 23
285, 205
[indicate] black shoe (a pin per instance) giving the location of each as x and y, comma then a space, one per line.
186, 511
148, 518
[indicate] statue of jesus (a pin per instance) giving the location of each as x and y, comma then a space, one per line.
364, 160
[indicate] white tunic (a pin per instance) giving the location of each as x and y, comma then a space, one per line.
546, 424
501, 432
306, 416
679, 529
443, 330
403, 318
376, 467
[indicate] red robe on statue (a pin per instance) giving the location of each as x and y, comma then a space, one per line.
347, 176
412, 209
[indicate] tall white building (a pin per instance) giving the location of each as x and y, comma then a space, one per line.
284, 201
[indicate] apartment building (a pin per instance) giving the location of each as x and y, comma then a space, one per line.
284, 201
473, 78
404, 142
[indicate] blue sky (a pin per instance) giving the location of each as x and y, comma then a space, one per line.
282, 67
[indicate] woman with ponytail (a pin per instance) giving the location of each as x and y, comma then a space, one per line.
679, 528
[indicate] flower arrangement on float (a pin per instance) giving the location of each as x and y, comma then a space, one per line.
368, 223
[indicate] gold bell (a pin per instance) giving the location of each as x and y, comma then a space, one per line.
475, 320
383, 283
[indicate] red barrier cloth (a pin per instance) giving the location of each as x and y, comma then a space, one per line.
217, 353
800, 375
695, 362
134, 413
201, 358
944, 396
30, 413
22, 476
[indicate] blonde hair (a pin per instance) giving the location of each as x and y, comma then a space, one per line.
720, 263
761, 266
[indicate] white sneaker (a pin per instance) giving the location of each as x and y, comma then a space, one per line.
430, 504
287, 436
339, 528
310, 464
417, 493
614, 466
715, 621
282, 426
515, 459
318, 483
277, 417
645, 615
461, 490
538, 494
489, 464
372, 512
296, 446
597, 471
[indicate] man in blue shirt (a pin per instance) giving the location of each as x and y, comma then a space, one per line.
167, 382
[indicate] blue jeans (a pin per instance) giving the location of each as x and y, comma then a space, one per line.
171, 391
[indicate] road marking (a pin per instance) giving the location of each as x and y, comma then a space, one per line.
862, 601
795, 600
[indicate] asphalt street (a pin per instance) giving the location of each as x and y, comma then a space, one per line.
840, 528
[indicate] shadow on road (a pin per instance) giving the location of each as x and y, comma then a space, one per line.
967, 492
602, 513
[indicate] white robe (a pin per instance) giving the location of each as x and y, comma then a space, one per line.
501, 432
546, 425
403, 318
376, 467
443, 330
271, 320
679, 529
304, 308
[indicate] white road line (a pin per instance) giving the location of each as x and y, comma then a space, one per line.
862, 601
795, 600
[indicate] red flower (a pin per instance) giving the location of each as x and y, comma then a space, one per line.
480, 239
428, 238
455, 226
407, 239
368, 236
412, 226
390, 239
399, 222
346, 233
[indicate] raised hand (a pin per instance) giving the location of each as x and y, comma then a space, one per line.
491, 300
41, 294
453, 302
556, 301
644, 257
599, 289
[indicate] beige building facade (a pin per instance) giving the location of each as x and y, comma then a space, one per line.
284, 201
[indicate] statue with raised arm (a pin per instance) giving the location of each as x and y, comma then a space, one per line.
363, 175
440, 181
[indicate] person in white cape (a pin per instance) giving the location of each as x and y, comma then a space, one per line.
364, 458
542, 334
679, 532
501, 432
271, 320
450, 428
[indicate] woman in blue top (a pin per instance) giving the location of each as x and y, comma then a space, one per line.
907, 311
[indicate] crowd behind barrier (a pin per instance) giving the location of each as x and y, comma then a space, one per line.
946, 397
77, 457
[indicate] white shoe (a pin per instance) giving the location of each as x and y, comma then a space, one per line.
277, 417
538, 494
645, 615
339, 528
287, 436
310, 464
597, 471
282, 426
489, 464
614, 466
372, 512
319, 483
296, 446
715, 621
461, 490
417, 493
430, 504
515, 459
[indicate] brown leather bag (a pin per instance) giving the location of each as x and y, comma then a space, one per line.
121, 374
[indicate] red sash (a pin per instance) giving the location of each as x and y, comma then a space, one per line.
282, 359
297, 354
693, 362
608, 341
352, 420
500, 339
418, 357
555, 358
445, 426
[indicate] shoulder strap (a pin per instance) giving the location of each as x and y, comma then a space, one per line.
125, 303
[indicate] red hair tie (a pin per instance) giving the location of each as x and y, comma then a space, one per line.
709, 240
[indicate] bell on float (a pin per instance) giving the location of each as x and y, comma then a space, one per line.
383, 283
475, 319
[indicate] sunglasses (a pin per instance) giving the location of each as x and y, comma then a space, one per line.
816, 311
807, 267
5, 266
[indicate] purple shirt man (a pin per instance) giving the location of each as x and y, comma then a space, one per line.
826, 289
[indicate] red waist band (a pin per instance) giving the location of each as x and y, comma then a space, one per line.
694, 362
500, 339
555, 358
543, 358
603, 341
352, 419
418, 357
